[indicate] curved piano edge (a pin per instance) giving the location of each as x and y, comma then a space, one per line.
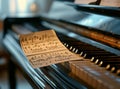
35, 76
34, 79
82, 38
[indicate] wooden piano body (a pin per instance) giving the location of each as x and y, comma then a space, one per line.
94, 36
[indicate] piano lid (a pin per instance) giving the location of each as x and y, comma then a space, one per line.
101, 21
67, 12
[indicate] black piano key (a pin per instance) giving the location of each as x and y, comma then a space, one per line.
92, 59
76, 51
81, 53
110, 66
98, 53
70, 48
103, 57
97, 61
73, 50
118, 72
90, 55
105, 63
107, 59
115, 68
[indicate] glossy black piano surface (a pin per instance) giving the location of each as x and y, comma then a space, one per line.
100, 67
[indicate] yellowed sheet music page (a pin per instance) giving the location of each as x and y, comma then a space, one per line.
115, 3
44, 48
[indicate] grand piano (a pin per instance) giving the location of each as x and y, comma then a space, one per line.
91, 31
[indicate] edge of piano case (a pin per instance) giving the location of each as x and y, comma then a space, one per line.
33, 75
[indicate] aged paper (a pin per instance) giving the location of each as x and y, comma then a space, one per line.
44, 48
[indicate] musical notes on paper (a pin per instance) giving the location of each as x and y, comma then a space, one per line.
44, 48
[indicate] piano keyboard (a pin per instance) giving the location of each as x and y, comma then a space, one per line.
99, 69
93, 69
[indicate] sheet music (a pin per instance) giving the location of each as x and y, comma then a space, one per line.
44, 48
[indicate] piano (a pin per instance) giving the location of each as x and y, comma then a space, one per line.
92, 31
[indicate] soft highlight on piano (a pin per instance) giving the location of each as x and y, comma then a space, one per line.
89, 28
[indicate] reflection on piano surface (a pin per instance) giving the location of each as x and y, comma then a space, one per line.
94, 36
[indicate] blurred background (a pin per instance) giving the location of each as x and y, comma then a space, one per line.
28, 8
21, 8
